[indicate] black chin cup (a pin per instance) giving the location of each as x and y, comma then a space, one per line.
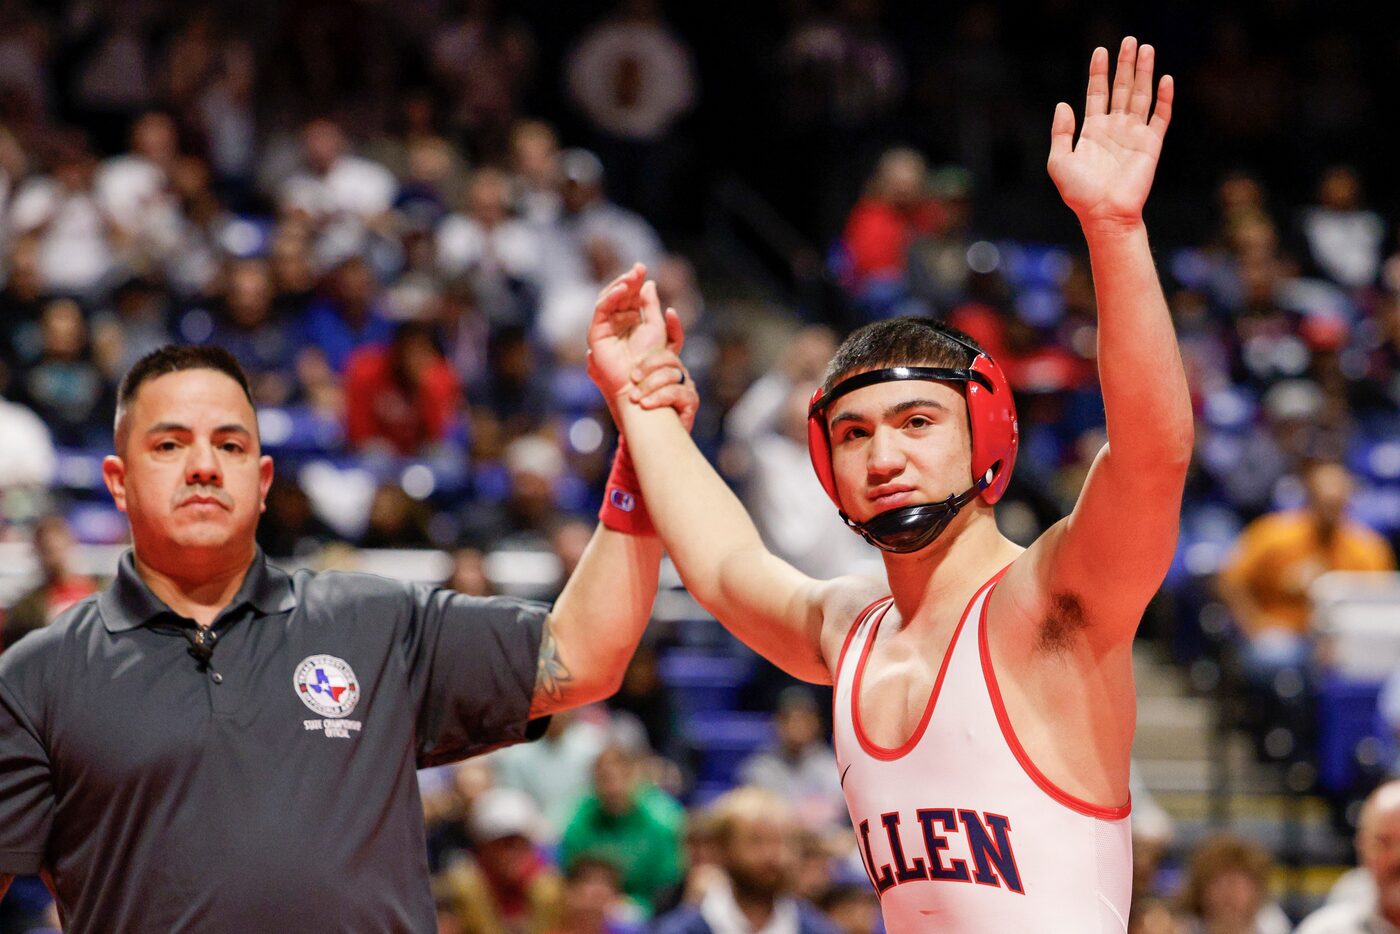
906, 529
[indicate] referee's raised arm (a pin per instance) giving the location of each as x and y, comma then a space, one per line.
599, 617
597, 622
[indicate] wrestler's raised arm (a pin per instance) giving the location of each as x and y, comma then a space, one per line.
1113, 550
767, 603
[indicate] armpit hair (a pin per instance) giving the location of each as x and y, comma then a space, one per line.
1063, 622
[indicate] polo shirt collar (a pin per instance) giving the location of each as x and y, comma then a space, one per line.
127, 602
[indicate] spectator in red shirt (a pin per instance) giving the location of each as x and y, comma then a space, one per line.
403, 397
895, 209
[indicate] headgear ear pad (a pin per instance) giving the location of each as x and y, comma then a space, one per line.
991, 413
819, 445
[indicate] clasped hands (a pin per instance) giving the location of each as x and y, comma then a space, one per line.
634, 349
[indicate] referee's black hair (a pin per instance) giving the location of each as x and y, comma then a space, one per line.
174, 358
907, 341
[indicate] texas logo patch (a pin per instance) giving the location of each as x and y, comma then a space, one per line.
327, 685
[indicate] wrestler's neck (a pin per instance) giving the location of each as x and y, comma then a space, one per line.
962, 558
197, 590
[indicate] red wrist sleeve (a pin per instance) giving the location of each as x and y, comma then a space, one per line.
623, 509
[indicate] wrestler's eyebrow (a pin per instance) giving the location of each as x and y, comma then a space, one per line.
847, 417
892, 411
905, 406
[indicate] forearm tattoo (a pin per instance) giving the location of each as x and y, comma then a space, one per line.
553, 674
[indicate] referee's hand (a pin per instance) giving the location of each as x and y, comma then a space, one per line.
661, 380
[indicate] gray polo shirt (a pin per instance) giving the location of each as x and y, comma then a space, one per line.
272, 789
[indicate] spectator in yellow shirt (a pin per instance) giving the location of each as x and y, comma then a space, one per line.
1265, 582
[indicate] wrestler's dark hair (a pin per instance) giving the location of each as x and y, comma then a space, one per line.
906, 341
174, 358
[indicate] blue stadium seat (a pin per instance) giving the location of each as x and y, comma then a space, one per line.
1377, 507
839, 264
491, 481
97, 523
1230, 408
1376, 458
723, 740
1192, 268
1040, 306
703, 682
705, 793
1208, 532
571, 392
79, 470
1346, 713
1033, 265
298, 428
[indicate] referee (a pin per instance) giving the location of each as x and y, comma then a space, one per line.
210, 744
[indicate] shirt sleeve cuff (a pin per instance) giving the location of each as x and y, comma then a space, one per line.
21, 862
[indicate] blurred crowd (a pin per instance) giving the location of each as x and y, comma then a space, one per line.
579, 832
398, 221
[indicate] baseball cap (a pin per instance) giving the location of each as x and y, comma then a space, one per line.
504, 812
581, 167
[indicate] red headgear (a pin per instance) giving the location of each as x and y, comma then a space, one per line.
991, 416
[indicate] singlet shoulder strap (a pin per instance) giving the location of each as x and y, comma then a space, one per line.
861, 619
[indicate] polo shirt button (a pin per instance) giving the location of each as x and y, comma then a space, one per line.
218, 678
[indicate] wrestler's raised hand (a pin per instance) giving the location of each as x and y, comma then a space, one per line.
1106, 175
627, 324
630, 342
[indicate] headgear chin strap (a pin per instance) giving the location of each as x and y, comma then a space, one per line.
905, 529
991, 420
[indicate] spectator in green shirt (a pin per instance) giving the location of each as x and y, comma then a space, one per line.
631, 823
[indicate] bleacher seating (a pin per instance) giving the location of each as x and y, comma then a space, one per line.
1358, 615
722, 739
704, 681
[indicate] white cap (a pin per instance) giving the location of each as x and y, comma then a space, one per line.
505, 812
581, 166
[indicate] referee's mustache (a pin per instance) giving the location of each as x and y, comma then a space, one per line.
203, 493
